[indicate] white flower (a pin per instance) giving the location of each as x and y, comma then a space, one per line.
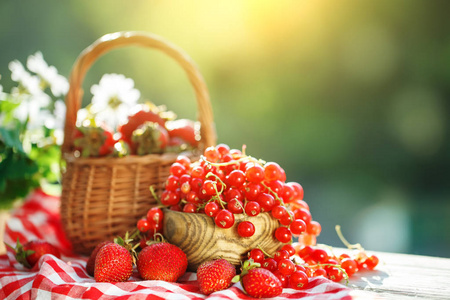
58, 84
20, 75
113, 98
56, 120
34, 109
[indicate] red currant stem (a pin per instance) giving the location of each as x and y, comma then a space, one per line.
264, 251
275, 194
152, 190
345, 242
218, 178
234, 162
243, 209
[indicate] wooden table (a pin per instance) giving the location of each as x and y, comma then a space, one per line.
401, 276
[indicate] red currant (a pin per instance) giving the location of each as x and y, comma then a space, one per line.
301, 213
349, 265
305, 252
155, 215
298, 190
177, 169
211, 209
184, 160
211, 154
235, 206
224, 219
246, 229
371, 262
255, 173
269, 264
281, 254
299, 204
252, 190
196, 184
298, 280
169, 198
272, 171
266, 202
223, 149
289, 248
319, 272
190, 208
257, 255
198, 172
287, 219
335, 274
287, 194
252, 208
279, 212
297, 227
275, 186
208, 188
314, 228
286, 266
233, 193
172, 183
236, 178
319, 255
143, 225
283, 234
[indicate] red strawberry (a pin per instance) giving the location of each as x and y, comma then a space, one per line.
149, 138
93, 141
261, 283
145, 113
90, 265
30, 253
162, 261
184, 129
215, 275
258, 282
113, 263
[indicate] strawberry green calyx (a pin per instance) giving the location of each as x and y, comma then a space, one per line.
246, 266
149, 138
127, 241
21, 254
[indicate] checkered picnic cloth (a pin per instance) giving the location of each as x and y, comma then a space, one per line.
66, 278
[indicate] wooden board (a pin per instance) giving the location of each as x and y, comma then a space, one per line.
402, 276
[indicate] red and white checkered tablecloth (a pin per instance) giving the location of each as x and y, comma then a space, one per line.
66, 278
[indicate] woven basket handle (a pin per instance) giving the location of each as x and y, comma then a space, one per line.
121, 39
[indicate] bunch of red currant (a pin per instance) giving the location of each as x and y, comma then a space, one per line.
225, 182
294, 263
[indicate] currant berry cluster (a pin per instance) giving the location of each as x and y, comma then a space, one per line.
225, 182
293, 264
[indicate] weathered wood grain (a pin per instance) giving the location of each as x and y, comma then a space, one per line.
202, 240
403, 276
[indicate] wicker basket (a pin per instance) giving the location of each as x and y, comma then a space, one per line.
104, 197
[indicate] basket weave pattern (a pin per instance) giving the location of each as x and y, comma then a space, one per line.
104, 197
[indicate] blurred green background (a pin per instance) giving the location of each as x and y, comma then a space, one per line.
349, 97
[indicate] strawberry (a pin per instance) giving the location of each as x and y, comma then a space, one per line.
93, 141
184, 129
114, 263
90, 265
162, 261
258, 282
30, 253
215, 275
144, 113
149, 138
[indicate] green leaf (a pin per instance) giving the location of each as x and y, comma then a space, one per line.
11, 138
